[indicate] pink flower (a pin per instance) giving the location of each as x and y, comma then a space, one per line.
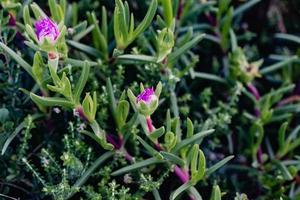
147, 96
45, 28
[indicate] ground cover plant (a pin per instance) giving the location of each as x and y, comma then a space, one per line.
152, 99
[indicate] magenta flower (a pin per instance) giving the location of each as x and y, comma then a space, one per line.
147, 96
46, 28
147, 101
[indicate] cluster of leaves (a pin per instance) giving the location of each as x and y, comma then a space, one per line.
71, 126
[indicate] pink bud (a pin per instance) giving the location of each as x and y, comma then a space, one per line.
46, 28
146, 96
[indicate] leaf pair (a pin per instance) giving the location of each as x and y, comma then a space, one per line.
38, 68
124, 29
119, 109
100, 35
198, 164
267, 101
99, 135
63, 86
167, 12
89, 106
224, 18
57, 11
287, 144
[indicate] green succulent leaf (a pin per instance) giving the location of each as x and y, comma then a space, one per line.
53, 10
26, 16
38, 67
180, 190
216, 193
138, 165
18, 59
124, 30
85, 48
157, 133
192, 139
89, 106
281, 136
170, 140
99, 35
218, 165
198, 164
167, 12
168, 121
256, 133
190, 128
158, 89
131, 97
100, 141
150, 149
82, 81
172, 158
122, 112
147, 19
51, 101
130, 123
37, 11
183, 49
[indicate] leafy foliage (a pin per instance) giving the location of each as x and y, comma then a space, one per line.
154, 99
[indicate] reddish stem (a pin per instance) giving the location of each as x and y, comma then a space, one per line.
79, 111
119, 145
255, 92
257, 112
149, 124
127, 156
180, 9
259, 154
111, 140
151, 129
12, 20
211, 19
289, 100
182, 174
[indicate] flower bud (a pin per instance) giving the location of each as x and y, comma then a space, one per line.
165, 43
147, 102
46, 29
89, 106
170, 141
